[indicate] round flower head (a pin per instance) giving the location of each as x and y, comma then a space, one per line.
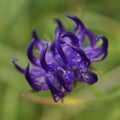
61, 62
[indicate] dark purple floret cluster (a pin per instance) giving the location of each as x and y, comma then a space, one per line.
58, 64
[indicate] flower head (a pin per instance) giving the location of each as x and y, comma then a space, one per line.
60, 62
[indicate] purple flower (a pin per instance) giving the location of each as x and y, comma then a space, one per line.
66, 59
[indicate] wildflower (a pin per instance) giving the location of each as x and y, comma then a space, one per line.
66, 59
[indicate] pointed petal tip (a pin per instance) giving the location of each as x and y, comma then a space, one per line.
33, 31
73, 17
34, 34
14, 59
55, 19
69, 15
59, 23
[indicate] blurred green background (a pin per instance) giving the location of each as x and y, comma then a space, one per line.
17, 19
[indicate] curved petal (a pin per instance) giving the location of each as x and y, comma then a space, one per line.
53, 49
43, 62
20, 69
32, 81
30, 55
60, 26
73, 38
91, 36
34, 34
84, 59
104, 46
59, 48
78, 22
100, 53
88, 77
37, 40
